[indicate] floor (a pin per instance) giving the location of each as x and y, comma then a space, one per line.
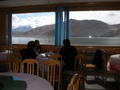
98, 84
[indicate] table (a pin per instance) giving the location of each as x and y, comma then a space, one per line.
33, 82
41, 57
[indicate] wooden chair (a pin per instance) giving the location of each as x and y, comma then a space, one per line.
5, 66
30, 66
57, 57
5, 62
51, 71
15, 62
79, 65
82, 66
74, 83
91, 67
16, 65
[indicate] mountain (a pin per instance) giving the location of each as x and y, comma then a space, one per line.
78, 28
22, 29
37, 32
84, 28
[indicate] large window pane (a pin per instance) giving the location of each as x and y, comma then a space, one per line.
32, 26
95, 27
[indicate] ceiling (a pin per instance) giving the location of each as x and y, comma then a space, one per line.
17, 3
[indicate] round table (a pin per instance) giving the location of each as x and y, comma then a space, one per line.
33, 82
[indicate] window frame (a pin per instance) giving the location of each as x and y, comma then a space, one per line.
83, 6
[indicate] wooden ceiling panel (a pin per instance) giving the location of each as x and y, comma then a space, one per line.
15, 3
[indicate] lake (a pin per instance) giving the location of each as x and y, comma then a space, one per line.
74, 40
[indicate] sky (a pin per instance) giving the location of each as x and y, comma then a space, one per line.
40, 19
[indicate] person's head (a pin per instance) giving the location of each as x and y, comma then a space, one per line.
37, 43
66, 42
31, 44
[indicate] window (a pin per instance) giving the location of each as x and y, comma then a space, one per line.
90, 28
32, 26
94, 28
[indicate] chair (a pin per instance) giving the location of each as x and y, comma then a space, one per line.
74, 83
57, 57
79, 65
15, 62
5, 66
30, 66
82, 66
16, 65
5, 52
97, 65
51, 71
91, 67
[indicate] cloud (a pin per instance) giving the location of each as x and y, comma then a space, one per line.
104, 16
41, 19
32, 20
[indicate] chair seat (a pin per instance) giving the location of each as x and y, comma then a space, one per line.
92, 66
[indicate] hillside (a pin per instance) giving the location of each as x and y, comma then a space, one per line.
78, 28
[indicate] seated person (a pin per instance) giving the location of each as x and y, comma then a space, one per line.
68, 53
29, 52
37, 47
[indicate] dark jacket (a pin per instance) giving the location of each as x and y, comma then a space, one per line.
68, 55
28, 53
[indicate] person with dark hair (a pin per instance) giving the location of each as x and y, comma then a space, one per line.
68, 53
37, 47
29, 52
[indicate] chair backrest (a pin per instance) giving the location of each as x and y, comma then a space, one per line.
30, 66
74, 82
15, 62
5, 66
15, 56
51, 71
80, 62
15, 65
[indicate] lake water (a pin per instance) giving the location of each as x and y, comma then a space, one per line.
74, 41
25, 40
